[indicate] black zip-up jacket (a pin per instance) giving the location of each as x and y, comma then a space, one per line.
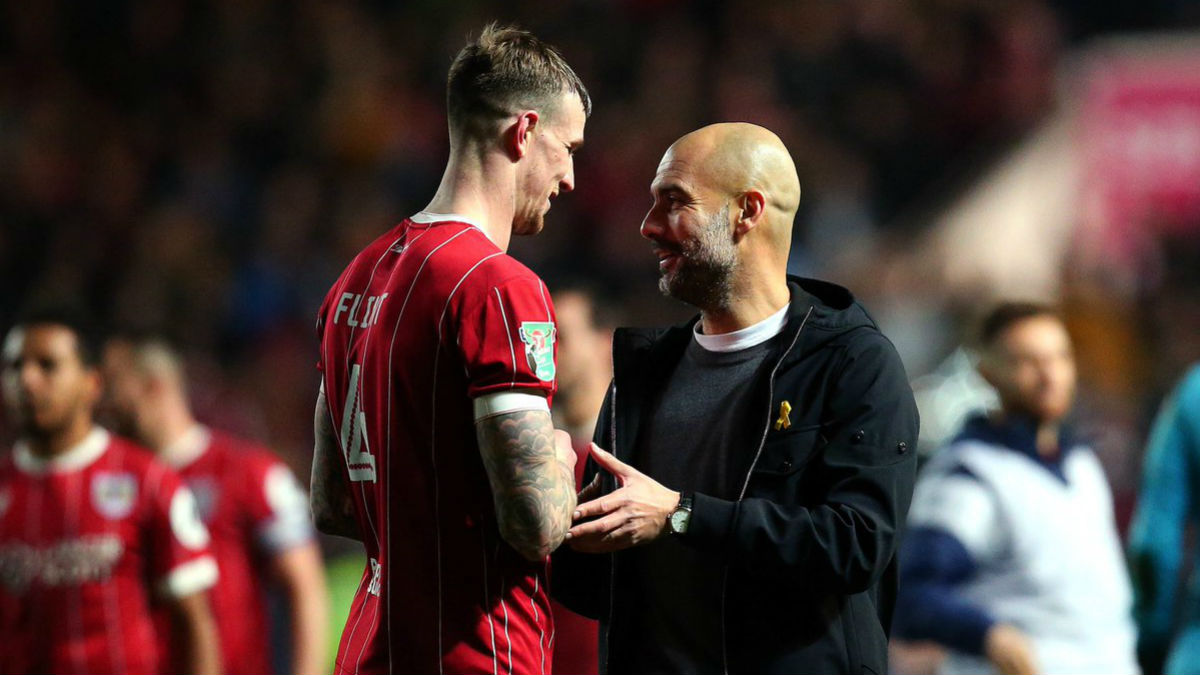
809, 545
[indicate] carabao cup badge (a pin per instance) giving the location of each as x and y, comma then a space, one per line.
538, 337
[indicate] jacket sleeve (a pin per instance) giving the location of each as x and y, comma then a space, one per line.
581, 581
856, 491
1156, 539
930, 606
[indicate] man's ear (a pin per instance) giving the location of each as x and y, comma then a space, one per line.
95, 385
520, 134
753, 208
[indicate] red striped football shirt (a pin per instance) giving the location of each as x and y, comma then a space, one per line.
86, 541
254, 509
426, 318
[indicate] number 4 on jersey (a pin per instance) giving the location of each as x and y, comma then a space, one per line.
359, 461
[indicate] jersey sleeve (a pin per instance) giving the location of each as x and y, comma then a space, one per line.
508, 339
181, 562
277, 506
321, 314
960, 505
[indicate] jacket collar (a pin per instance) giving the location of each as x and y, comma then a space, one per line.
1018, 433
834, 311
643, 358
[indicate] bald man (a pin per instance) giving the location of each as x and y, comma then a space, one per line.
248, 499
754, 466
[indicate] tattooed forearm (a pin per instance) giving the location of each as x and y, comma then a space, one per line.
329, 496
534, 490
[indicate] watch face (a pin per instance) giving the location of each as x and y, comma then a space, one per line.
679, 521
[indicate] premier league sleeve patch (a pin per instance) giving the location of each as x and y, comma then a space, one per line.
538, 337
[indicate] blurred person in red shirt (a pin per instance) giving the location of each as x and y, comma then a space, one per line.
94, 531
249, 500
585, 369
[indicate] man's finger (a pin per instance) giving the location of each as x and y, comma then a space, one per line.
610, 462
591, 544
617, 540
597, 507
589, 491
600, 526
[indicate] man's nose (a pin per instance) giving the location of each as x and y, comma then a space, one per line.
652, 225
568, 182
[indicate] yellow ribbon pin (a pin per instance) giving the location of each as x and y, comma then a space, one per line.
784, 421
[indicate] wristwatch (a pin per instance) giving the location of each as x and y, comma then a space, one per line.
677, 522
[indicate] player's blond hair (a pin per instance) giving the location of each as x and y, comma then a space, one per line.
503, 71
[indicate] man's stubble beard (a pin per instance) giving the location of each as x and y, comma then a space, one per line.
704, 278
529, 224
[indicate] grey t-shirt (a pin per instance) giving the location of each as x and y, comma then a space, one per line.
696, 440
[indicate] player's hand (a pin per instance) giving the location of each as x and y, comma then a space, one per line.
634, 514
1009, 650
564, 451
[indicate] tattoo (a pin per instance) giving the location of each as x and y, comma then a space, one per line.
329, 495
534, 492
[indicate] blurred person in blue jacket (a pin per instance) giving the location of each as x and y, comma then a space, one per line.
1012, 561
1168, 620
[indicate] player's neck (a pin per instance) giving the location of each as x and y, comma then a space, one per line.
174, 422
478, 186
52, 445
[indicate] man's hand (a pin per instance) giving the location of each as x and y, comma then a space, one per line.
1009, 650
634, 514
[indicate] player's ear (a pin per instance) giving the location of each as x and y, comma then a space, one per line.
752, 206
93, 382
520, 134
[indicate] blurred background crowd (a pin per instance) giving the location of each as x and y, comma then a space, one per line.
205, 169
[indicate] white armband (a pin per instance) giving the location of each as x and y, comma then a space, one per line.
499, 403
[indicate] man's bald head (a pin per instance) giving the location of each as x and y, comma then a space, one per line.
144, 375
737, 157
149, 357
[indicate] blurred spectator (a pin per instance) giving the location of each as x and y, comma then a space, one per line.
250, 502
584, 373
1167, 599
584, 361
96, 537
1012, 560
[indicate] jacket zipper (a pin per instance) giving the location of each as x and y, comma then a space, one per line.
746, 483
612, 581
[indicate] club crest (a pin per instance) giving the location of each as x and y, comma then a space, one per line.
114, 494
538, 337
